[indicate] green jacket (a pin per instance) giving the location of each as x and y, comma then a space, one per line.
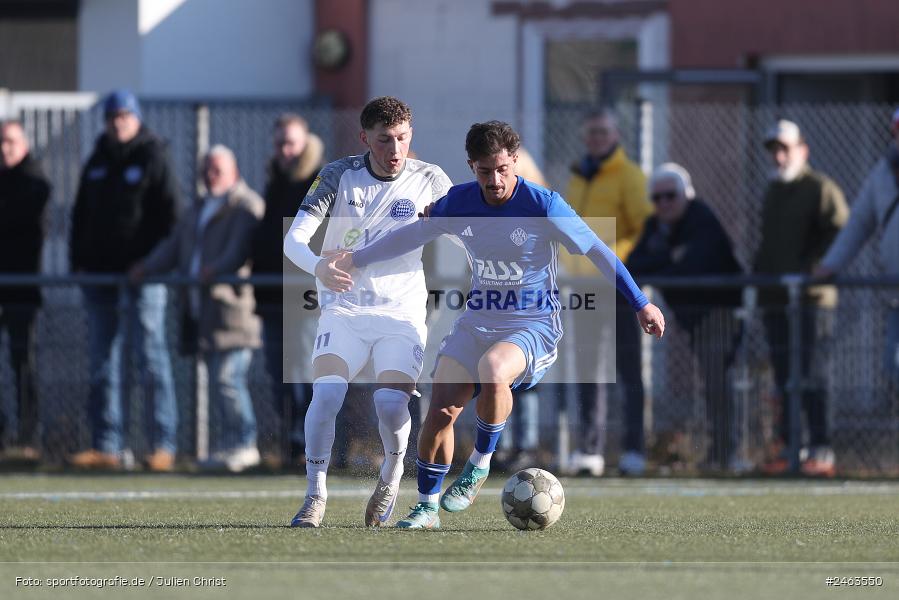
800, 219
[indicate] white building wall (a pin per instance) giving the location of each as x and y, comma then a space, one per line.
197, 48
453, 62
108, 45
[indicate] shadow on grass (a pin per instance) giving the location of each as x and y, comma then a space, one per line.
240, 526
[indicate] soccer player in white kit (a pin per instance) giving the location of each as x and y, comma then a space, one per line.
379, 314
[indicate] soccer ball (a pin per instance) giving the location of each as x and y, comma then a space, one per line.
533, 499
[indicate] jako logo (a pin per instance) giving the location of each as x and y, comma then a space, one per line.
498, 270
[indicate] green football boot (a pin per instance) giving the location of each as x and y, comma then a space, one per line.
464, 489
423, 516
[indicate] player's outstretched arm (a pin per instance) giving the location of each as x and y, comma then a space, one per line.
398, 242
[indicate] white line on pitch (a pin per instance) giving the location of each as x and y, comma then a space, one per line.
600, 489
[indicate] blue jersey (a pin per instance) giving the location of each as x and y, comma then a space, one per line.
513, 249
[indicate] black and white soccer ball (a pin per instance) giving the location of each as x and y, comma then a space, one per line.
533, 499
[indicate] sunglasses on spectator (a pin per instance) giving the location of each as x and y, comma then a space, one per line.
659, 196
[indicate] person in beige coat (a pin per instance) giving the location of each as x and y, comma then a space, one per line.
213, 239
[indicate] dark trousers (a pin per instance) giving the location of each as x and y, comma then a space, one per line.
18, 321
290, 399
815, 341
713, 336
593, 398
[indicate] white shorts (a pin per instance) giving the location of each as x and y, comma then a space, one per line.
390, 343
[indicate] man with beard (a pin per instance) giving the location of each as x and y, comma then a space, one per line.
294, 166
803, 212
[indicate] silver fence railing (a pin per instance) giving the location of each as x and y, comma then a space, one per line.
862, 412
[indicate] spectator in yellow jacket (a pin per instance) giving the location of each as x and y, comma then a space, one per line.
606, 183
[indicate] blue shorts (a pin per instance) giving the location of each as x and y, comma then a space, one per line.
467, 343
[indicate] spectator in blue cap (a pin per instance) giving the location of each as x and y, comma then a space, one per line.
122, 101
126, 204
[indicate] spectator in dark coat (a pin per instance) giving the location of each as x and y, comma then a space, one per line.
295, 165
126, 204
24, 191
685, 238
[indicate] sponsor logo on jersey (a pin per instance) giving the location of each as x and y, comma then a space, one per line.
351, 237
419, 353
402, 209
498, 270
314, 185
133, 174
467, 232
519, 236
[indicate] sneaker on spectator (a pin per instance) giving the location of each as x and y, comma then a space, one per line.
820, 462
632, 464
593, 465
94, 459
160, 461
21, 456
234, 460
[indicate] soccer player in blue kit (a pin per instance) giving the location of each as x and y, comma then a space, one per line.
508, 335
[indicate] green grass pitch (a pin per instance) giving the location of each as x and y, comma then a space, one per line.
617, 539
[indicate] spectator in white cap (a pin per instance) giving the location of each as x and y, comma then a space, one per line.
788, 149
802, 214
874, 211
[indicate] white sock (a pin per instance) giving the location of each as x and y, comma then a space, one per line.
394, 425
432, 498
479, 459
327, 397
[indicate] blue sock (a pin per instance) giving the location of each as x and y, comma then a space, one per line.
430, 480
486, 439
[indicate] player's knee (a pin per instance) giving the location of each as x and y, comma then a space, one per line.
492, 371
391, 405
327, 397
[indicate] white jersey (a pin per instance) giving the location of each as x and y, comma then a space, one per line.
363, 207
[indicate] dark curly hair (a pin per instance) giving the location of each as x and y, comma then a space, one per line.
492, 137
386, 110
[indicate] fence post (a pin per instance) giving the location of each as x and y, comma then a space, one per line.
564, 395
794, 383
5, 104
645, 134
126, 307
201, 393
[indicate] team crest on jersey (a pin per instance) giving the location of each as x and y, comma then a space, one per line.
351, 237
419, 353
402, 209
133, 174
519, 236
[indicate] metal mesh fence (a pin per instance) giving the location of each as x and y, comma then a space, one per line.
720, 144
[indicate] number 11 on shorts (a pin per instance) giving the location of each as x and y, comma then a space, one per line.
323, 340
